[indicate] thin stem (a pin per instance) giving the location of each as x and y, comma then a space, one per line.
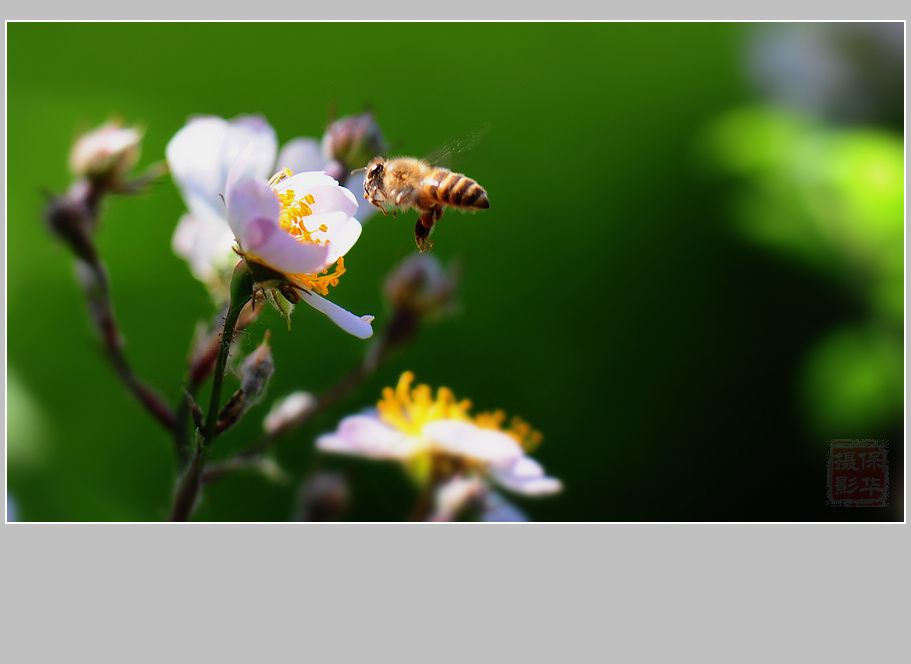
73, 218
241, 293
97, 291
187, 492
188, 487
245, 458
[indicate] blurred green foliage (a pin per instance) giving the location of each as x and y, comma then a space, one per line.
688, 299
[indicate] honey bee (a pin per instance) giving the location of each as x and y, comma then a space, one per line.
406, 182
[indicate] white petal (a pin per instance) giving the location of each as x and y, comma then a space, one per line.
343, 232
366, 435
452, 497
357, 326
469, 440
328, 195
301, 154
205, 149
329, 198
524, 476
206, 242
304, 181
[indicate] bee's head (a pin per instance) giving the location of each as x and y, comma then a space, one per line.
373, 178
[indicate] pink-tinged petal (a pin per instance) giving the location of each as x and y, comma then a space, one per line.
206, 148
524, 476
360, 327
469, 440
301, 154
253, 211
366, 435
248, 201
276, 249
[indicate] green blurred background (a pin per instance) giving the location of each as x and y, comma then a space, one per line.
690, 278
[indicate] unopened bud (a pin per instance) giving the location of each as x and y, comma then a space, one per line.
420, 285
352, 141
324, 497
288, 412
106, 154
257, 370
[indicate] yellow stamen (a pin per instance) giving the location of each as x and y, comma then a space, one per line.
321, 282
293, 211
283, 174
410, 409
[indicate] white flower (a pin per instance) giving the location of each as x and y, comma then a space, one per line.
409, 424
296, 226
200, 157
220, 168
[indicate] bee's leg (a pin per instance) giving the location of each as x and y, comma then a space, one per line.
377, 202
424, 226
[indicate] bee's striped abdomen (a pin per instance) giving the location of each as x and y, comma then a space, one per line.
456, 190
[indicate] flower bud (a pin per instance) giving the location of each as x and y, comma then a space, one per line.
256, 371
106, 154
324, 497
351, 142
420, 286
288, 413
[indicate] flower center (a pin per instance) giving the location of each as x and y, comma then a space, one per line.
410, 409
291, 218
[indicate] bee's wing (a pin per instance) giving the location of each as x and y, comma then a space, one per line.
457, 145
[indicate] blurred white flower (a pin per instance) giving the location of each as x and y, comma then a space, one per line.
839, 71
200, 156
288, 412
410, 426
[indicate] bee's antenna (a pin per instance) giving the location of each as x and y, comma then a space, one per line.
358, 170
